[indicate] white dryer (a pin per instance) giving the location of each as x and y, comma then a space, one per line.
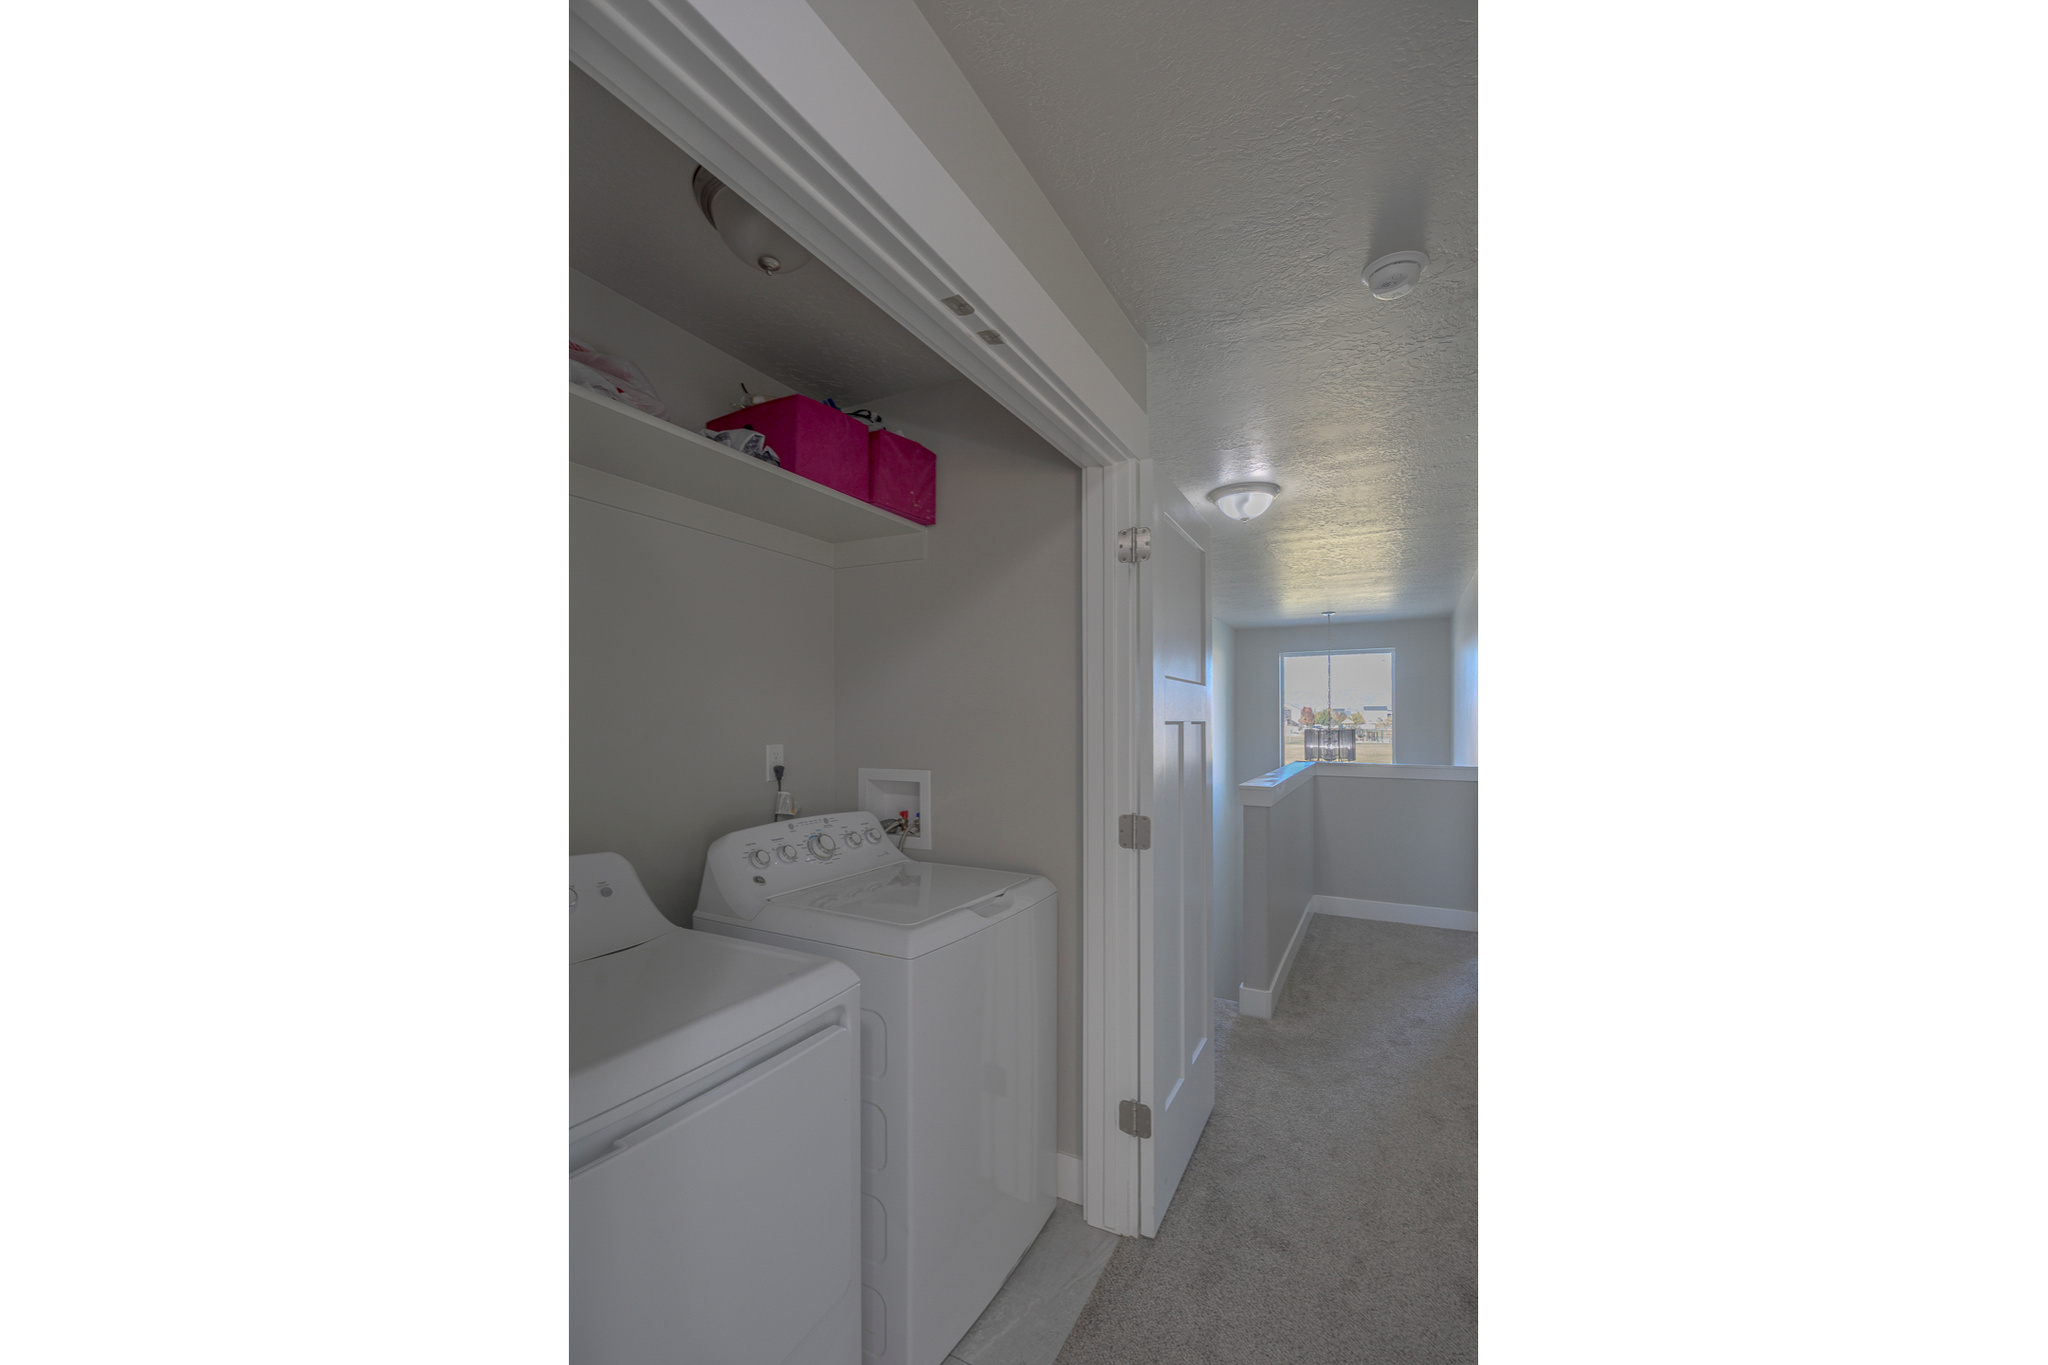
713, 1141
956, 972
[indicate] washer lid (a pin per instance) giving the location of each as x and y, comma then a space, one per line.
904, 894
903, 910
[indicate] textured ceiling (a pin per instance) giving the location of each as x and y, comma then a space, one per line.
634, 227
1229, 168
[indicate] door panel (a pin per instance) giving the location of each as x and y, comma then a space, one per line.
1180, 577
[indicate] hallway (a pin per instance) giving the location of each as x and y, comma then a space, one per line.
1329, 1213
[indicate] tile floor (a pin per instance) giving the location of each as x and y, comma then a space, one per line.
1028, 1320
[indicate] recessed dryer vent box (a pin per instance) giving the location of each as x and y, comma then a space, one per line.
885, 791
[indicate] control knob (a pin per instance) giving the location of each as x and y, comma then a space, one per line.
759, 857
823, 845
786, 852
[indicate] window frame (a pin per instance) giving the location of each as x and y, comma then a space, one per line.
1393, 697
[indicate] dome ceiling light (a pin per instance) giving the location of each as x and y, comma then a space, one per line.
1243, 501
1395, 276
744, 228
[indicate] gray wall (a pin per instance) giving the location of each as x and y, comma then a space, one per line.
694, 379
1422, 686
1226, 842
1279, 878
968, 663
1410, 841
1465, 678
898, 49
688, 653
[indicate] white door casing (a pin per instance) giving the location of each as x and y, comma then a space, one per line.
1109, 874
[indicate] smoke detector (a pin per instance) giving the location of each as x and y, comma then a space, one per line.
1395, 276
745, 229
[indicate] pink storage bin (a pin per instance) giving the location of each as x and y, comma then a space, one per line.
822, 444
904, 477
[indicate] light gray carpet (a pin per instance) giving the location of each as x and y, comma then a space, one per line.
1328, 1214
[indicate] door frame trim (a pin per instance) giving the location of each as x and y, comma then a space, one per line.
1109, 875
763, 94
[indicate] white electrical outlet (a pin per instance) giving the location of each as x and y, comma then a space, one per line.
774, 760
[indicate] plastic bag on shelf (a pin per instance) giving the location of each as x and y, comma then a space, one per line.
610, 374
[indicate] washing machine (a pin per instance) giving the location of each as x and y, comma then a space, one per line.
957, 1028
714, 1149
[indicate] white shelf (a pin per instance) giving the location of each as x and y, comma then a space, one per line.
606, 434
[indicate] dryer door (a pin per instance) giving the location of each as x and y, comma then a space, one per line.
722, 1232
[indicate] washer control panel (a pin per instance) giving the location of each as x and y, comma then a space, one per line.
749, 866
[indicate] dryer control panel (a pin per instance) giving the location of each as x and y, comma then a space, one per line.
744, 869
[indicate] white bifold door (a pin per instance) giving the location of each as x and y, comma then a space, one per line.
1153, 1014
1176, 1065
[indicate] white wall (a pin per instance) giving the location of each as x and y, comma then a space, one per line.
968, 663
1422, 686
1465, 678
1409, 840
1227, 838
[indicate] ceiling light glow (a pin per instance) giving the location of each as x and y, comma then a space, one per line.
1243, 501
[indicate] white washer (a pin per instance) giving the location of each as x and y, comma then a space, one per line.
714, 1143
956, 976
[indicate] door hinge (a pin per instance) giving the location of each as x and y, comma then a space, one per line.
1133, 544
1134, 1118
1134, 831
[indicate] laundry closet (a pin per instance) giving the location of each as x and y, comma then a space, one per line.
712, 617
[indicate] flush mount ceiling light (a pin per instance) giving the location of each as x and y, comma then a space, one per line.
1395, 276
1243, 501
755, 240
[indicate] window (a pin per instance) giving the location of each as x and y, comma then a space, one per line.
1337, 706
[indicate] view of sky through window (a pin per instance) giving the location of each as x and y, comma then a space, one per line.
1347, 691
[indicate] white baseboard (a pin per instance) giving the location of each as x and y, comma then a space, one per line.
1344, 907
1259, 1003
1070, 1178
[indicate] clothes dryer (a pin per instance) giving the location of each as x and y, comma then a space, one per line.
713, 1141
956, 969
